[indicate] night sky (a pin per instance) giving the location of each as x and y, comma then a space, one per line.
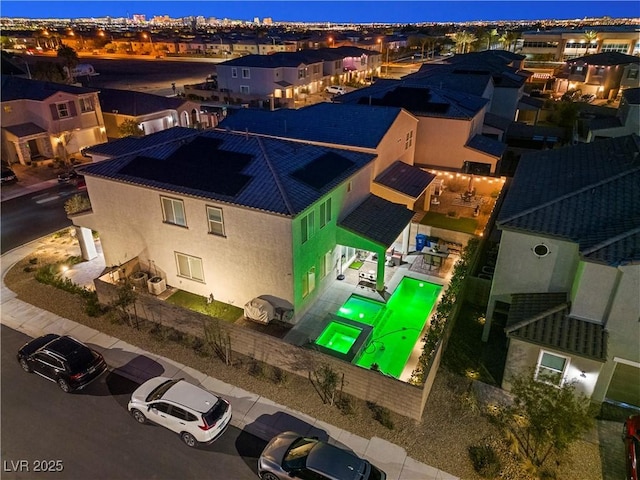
329, 11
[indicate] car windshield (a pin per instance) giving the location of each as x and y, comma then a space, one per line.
216, 413
160, 390
296, 456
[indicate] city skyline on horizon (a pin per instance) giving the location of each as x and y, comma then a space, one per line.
354, 11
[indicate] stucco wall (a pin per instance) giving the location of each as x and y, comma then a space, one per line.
254, 257
595, 284
622, 323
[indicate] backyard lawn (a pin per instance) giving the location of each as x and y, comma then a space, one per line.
214, 308
440, 220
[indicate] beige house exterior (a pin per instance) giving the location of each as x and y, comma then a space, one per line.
44, 120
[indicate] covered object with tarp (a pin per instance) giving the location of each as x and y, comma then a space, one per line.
259, 310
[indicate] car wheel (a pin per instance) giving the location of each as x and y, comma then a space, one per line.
139, 416
64, 386
25, 365
268, 476
189, 439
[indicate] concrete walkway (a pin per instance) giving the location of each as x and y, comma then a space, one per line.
254, 414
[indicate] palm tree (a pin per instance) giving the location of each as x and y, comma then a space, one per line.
463, 41
492, 33
70, 58
591, 36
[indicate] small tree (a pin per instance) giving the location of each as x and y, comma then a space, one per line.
544, 418
70, 58
126, 298
130, 128
77, 203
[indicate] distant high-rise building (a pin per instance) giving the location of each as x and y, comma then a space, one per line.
256, 20
139, 18
267, 21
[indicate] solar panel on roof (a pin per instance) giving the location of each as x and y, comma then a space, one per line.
323, 170
199, 165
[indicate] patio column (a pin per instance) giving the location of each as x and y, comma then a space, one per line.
382, 259
87, 245
405, 239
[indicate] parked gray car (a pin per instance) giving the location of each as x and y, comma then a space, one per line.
290, 455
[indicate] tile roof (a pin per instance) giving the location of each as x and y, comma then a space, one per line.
406, 179
543, 319
129, 102
240, 169
487, 145
129, 145
606, 58
420, 100
497, 121
631, 95
332, 123
294, 59
446, 76
16, 88
25, 129
587, 194
378, 220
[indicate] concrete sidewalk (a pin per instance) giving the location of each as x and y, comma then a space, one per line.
254, 414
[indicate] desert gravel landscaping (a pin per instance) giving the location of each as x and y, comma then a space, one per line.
452, 421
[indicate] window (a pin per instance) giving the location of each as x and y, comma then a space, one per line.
86, 104
216, 222
632, 74
63, 110
234, 73
308, 227
325, 212
327, 264
551, 368
244, 89
409, 140
541, 250
162, 407
173, 211
7, 108
245, 73
302, 73
309, 282
190, 267
316, 69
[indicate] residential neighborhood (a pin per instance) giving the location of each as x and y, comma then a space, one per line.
351, 234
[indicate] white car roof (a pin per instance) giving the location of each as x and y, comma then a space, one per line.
190, 396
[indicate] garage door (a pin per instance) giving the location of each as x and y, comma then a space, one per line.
625, 385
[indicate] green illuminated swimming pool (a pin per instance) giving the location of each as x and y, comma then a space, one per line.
396, 325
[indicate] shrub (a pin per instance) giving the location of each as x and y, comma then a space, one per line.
255, 368
92, 307
485, 460
381, 414
279, 376
346, 405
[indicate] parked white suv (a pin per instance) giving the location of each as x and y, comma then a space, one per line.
197, 415
335, 89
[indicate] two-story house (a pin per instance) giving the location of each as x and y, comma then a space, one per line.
625, 122
566, 284
44, 120
237, 216
151, 112
604, 75
450, 124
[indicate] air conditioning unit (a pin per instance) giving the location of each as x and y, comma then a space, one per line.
156, 285
139, 279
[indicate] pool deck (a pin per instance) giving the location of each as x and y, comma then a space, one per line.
320, 314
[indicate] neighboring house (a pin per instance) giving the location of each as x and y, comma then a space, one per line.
152, 112
560, 44
625, 122
604, 75
236, 216
450, 123
386, 132
567, 277
44, 120
285, 75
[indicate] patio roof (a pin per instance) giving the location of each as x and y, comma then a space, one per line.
406, 179
544, 319
378, 220
25, 130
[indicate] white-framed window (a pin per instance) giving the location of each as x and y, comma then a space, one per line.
63, 110
86, 104
327, 264
244, 89
234, 72
409, 140
309, 282
551, 367
189, 267
245, 73
173, 211
325, 212
308, 226
216, 221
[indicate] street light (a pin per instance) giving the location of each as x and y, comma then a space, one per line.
330, 42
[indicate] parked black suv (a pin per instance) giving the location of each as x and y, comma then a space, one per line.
62, 359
